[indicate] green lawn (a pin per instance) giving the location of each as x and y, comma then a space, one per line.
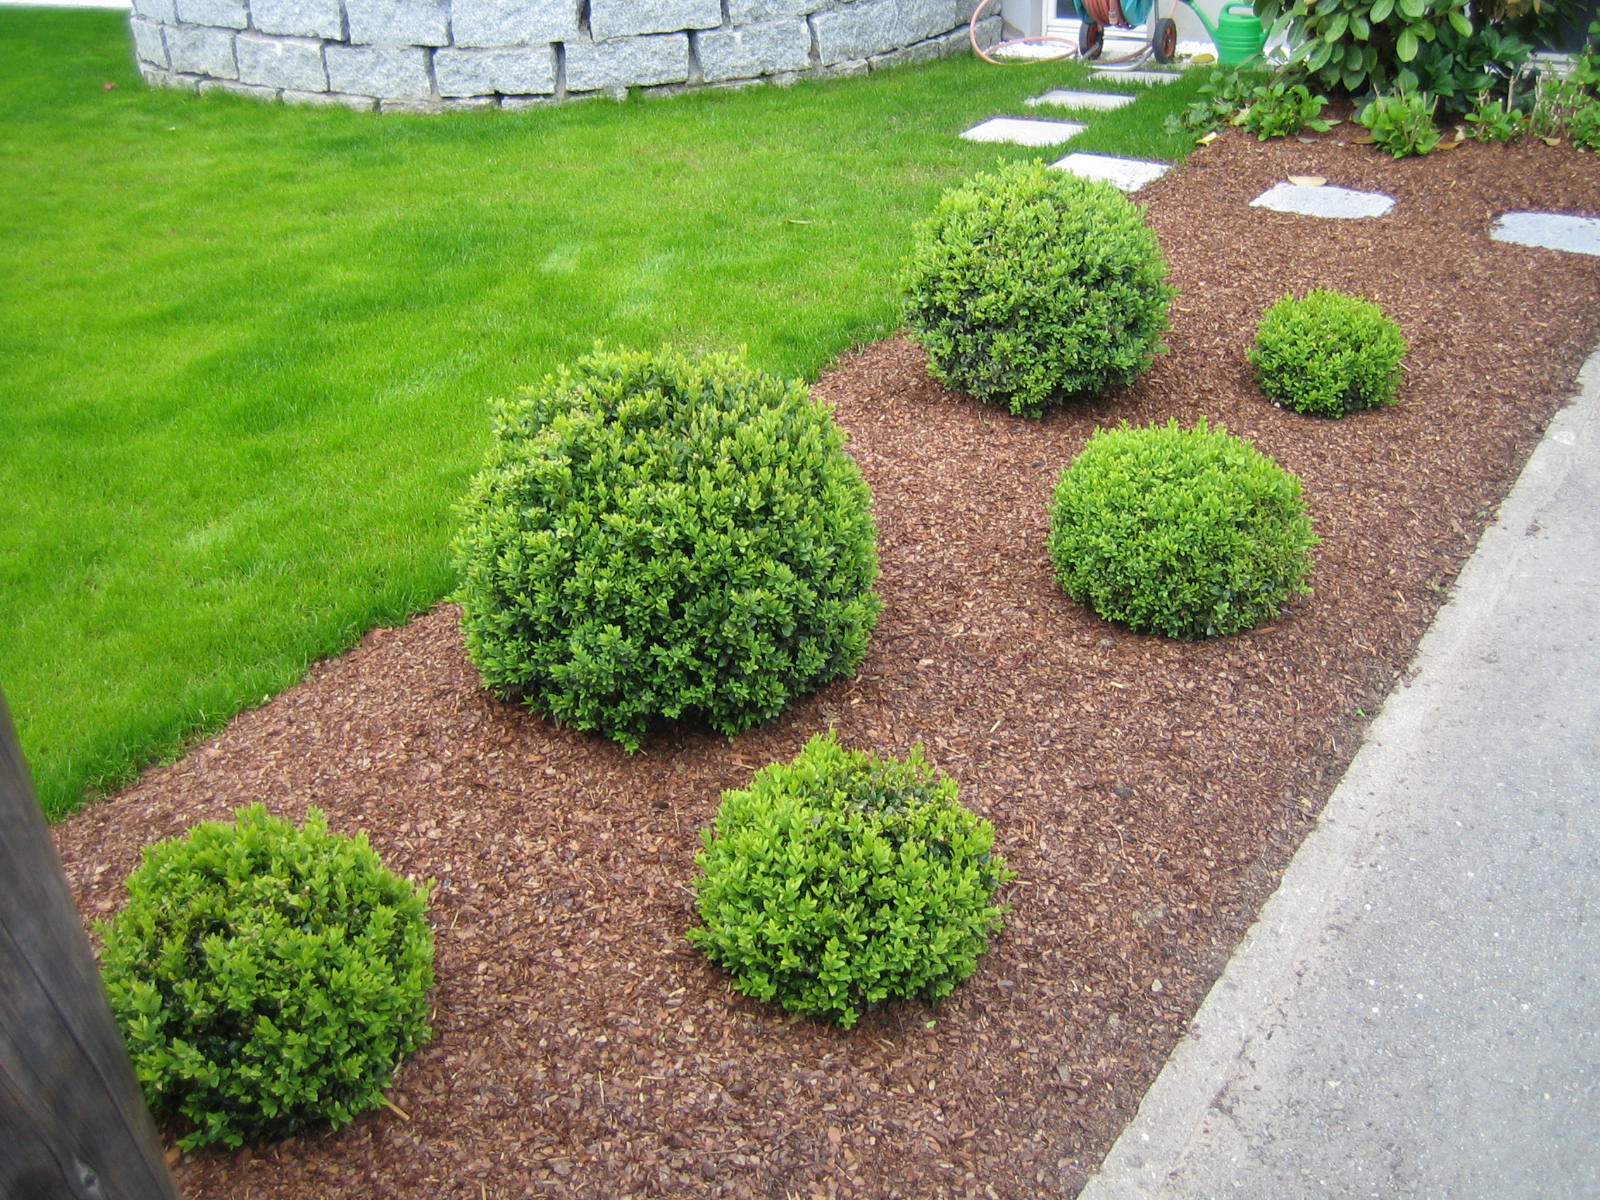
245, 349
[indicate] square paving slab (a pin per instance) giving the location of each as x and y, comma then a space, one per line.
1129, 174
1097, 101
1135, 76
1023, 131
1323, 201
1549, 231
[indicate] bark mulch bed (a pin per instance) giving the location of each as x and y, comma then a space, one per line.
1148, 793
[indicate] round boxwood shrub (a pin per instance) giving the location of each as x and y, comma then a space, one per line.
1187, 533
841, 880
1328, 354
267, 978
1029, 286
656, 537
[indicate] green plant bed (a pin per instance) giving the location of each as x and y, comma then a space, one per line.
1190, 533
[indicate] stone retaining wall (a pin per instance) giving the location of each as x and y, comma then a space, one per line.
421, 55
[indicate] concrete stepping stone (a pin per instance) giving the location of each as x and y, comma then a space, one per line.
1134, 76
1323, 201
1549, 231
1023, 131
1129, 174
1096, 101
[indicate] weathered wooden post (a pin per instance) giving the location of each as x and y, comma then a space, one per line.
73, 1125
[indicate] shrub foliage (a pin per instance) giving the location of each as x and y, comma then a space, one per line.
1191, 533
1029, 286
1435, 46
267, 978
841, 880
656, 538
1328, 354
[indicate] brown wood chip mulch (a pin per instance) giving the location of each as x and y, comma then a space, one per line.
1148, 793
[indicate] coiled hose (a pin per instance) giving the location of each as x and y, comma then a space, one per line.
1105, 13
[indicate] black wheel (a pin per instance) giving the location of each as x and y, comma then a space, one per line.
1164, 41
1091, 39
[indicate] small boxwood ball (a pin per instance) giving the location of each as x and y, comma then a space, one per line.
842, 880
1030, 286
1190, 533
659, 538
267, 978
1328, 354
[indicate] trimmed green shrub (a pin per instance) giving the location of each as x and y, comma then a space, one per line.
841, 880
1188, 533
1328, 354
267, 978
658, 538
1029, 286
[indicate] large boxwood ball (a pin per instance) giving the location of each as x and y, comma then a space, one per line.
267, 978
659, 538
1029, 286
842, 880
1191, 533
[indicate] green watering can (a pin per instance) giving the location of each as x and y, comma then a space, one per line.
1238, 33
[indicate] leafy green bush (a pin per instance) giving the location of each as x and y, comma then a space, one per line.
1586, 68
1584, 126
1359, 46
267, 978
1280, 109
1493, 120
1354, 45
1328, 354
659, 538
1222, 97
1268, 109
1456, 70
841, 880
1028, 286
1187, 533
1557, 101
1568, 104
1541, 21
1401, 122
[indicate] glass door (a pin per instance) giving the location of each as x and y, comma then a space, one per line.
1060, 18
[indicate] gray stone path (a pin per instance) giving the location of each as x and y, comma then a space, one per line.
1323, 201
1129, 174
1092, 101
1136, 76
1024, 131
1550, 231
